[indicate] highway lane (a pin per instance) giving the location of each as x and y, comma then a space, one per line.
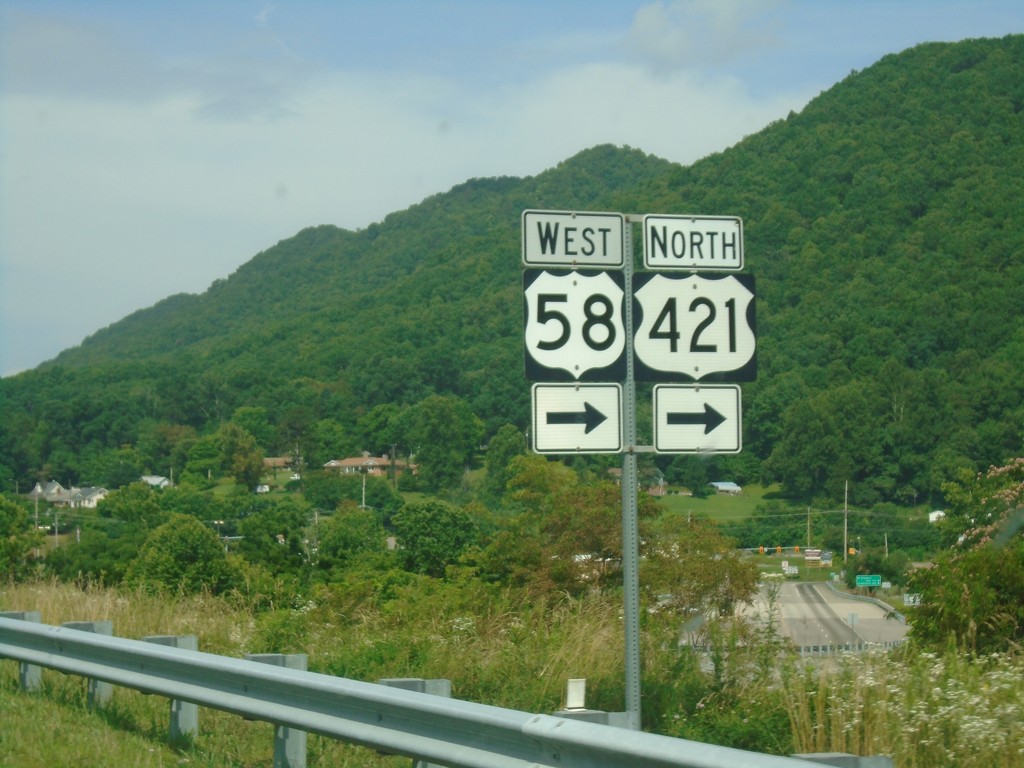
810, 614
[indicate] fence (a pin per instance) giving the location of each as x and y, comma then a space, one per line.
419, 725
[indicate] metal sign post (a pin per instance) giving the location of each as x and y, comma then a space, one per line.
630, 525
579, 297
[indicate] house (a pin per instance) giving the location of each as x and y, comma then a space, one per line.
277, 462
52, 493
369, 465
725, 486
934, 517
156, 481
88, 497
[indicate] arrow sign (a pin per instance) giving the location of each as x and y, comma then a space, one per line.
577, 418
710, 418
590, 416
697, 418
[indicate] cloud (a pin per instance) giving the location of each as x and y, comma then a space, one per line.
679, 34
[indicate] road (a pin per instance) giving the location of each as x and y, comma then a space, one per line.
811, 615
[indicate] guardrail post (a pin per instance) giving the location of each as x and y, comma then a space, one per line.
289, 743
30, 676
184, 715
99, 692
436, 687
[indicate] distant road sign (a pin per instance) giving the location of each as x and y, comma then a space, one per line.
697, 419
572, 239
868, 580
577, 418
694, 328
574, 325
693, 242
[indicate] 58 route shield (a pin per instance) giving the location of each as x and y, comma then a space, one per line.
574, 327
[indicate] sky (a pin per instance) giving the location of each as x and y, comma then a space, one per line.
150, 148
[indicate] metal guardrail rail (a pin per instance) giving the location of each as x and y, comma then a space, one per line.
420, 725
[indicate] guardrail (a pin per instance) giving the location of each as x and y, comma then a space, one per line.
422, 726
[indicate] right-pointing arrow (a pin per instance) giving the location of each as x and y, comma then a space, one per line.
589, 416
710, 418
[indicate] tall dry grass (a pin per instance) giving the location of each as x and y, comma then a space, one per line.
499, 647
925, 710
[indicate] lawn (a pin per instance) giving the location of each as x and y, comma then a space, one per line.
719, 506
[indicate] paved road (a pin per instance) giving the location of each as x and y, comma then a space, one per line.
812, 615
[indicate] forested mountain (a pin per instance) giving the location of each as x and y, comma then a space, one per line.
882, 223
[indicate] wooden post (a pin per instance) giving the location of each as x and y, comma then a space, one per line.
30, 676
184, 714
99, 692
289, 743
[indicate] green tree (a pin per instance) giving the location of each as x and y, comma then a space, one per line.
182, 555
17, 538
346, 534
974, 594
255, 421
274, 534
445, 435
433, 535
135, 503
507, 443
241, 457
204, 460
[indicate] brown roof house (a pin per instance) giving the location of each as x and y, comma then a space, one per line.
370, 465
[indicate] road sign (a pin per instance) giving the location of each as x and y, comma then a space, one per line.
572, 239
694, 327
697, 419
577, 418
574, 325
693, 242
868, 580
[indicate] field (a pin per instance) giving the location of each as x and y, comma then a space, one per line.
719, 506
926, 710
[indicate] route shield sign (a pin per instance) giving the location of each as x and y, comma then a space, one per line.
573, 239
574, 325
577, 418
694, 327
697, 419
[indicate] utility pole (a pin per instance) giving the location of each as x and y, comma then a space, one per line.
846, 513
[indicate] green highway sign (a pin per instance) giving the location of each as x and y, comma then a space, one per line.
869, 580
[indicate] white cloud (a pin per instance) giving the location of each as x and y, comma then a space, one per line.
143, 154
673, 35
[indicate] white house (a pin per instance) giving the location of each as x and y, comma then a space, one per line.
88, 497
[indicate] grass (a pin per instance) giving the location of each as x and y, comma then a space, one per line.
719, 506
499, 647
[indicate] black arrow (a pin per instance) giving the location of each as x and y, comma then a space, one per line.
590, 416
710, 418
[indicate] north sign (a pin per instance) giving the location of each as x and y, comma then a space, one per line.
697, 419
573, 239
693, 242
574, 326
577, 418
694, 327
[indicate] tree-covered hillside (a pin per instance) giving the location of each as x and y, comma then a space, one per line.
882, 224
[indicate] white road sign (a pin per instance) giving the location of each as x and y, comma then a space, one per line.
577, 418
697, 419
574, 325
694, 328
693, 242
569, 239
